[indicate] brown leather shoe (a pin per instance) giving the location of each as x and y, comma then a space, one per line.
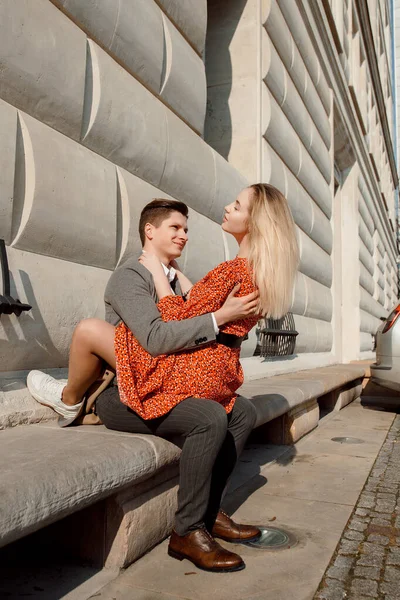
226, 529
200, 547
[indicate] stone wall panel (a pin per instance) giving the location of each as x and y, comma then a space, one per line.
66, 201
189, 173
365, 236
314, 336
190, 16
123, 121
126, 124
307, 215
184, 85
311, 299
8, 141
319, 301
368, 323
366, 257
366, 342
365, 214
290, 101
44, 78
281, 37
280, 134
131, 31
314, 261
382, 235
61, 294
228, 184
304, 44
299, 301
370, 305
366, 280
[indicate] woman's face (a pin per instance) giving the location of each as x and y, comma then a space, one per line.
236, 215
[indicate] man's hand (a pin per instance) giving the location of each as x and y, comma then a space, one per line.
235, 308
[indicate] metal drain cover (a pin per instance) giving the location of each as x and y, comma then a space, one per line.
347, 440
273, 538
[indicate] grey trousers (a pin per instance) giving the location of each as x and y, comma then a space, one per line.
212, 442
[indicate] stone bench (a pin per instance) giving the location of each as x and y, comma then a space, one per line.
111, 495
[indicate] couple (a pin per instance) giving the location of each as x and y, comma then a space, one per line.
175, 348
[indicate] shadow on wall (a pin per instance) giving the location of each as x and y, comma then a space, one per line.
223, 19
27, 336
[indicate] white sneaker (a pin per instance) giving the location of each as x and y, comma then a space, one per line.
48, 391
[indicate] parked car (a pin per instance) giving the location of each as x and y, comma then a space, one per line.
386, 370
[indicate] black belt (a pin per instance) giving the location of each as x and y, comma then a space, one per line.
230, 340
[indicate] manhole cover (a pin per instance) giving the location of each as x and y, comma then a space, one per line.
273, 538
347, 440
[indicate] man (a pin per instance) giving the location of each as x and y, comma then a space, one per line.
212, 440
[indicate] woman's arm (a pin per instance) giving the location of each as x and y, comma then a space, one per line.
184, 282
153, 264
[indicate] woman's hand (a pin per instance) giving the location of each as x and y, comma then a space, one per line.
152, 264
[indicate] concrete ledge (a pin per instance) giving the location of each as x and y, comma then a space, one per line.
50, 473
276, 396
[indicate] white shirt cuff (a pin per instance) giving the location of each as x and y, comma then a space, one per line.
216, 328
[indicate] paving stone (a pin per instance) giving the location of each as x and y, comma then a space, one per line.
348, 547
356, 536
387, 496
378, 539
387, 488
340, 573
364, 586
369, 548
392, 574
380, 521
384, 506
357, 525
393, 557
366, 501
370, 560
344, 561
390, 590
377, 515
367, 572
362, 512
334, 590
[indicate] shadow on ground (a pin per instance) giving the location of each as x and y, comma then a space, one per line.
33, 568
376, 397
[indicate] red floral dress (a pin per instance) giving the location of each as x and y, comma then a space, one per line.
152, 386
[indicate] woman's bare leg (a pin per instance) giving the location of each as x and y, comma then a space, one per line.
92, 343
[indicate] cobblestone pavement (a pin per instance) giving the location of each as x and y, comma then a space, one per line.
366, 563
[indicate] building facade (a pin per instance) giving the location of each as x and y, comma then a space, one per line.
107, 104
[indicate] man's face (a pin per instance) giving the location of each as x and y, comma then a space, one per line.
170, 237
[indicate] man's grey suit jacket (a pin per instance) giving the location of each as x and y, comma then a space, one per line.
131, 297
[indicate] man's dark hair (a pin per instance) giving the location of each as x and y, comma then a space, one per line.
156, 211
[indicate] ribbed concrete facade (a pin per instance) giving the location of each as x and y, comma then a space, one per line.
295, 100
104, 106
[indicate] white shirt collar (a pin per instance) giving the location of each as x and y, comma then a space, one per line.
170, 272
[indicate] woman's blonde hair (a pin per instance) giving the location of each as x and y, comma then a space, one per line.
273, 249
